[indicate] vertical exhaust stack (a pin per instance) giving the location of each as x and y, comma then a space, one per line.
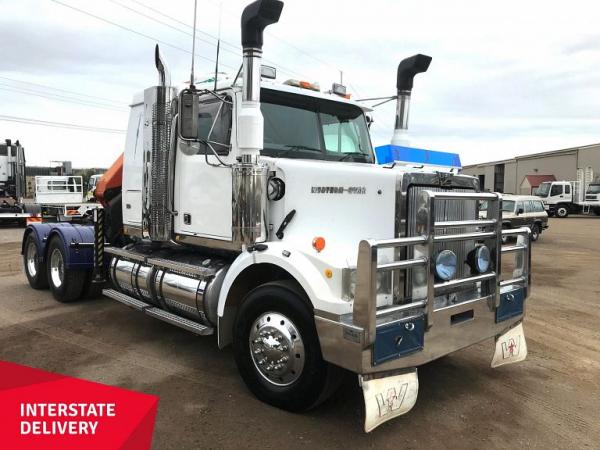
249, 176
407, 69
156, 216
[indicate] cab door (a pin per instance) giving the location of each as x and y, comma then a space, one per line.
203, 181
520, 215
556, 194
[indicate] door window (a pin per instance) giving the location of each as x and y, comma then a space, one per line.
539, 206
520, 206
557, 189
214, 126
529, 207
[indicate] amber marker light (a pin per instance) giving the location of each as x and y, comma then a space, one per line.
329, 273
318, 243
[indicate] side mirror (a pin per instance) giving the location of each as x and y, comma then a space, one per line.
189, 105
520, 211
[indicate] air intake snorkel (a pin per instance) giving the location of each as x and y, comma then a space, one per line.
255, 18
249, 174
407, 69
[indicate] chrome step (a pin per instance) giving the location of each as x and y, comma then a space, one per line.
158, 313
126, 299
180, 322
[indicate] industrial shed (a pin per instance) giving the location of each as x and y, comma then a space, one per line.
518, 175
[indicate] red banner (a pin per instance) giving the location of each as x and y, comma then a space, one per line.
40, 409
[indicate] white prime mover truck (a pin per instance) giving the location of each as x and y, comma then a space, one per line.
562, 198
256, 211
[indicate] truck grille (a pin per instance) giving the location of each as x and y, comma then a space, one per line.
446, 210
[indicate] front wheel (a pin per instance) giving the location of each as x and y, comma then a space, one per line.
277, 350
562, 211
33, 265
535, 232
66, 284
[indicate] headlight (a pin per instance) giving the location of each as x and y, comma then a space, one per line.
445, 264
349, 276
480, 259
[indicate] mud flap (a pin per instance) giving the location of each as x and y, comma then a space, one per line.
388, 397
510, 347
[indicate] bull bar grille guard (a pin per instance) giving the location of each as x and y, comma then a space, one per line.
366, 315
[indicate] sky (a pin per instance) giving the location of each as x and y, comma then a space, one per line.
507, 78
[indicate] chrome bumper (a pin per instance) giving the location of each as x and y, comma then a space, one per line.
364, 340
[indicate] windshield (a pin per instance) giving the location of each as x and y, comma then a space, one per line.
543, 190
593, 189
298, 126
508, 205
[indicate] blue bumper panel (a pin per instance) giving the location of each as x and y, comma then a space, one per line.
511, 304
398, 339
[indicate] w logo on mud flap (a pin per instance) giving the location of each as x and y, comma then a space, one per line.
511, 347
392, 401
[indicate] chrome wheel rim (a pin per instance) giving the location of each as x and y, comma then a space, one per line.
31, 259
57, 268
277, 349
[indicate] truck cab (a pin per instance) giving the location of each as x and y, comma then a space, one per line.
555, 193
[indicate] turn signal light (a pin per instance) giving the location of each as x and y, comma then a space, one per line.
318, 243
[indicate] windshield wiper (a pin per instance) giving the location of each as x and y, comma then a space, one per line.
291, 148
303, 147
353, 154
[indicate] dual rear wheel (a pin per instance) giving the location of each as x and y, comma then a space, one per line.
66, 285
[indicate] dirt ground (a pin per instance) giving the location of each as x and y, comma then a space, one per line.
552, 400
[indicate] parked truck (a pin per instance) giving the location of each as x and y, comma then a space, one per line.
90, 195
256, 211
61, 197
562, 198
12, 184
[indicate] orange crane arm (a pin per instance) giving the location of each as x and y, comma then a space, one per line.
112, 179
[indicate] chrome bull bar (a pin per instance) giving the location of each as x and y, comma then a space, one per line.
366, 315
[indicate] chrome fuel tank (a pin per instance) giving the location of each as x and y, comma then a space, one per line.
172, 286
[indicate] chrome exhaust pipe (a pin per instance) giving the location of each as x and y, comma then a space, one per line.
407, 69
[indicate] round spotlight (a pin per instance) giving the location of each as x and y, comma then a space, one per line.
482, 259
445, 264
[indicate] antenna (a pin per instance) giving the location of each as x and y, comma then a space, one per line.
218, 44
193, 47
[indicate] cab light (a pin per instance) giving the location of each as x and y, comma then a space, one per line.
318, 243
304, 85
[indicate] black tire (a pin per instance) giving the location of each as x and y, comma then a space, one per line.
505, 239
536, 231
562, 211
34, 268
67, 285
91, 290
317, 379
597, 211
